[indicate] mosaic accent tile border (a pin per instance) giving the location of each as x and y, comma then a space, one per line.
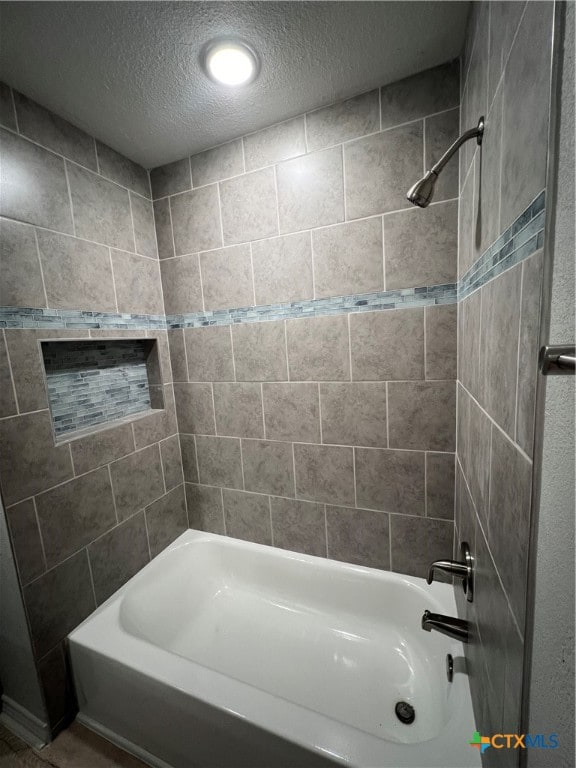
522, 238
518, 242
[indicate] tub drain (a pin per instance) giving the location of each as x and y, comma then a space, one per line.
405, 712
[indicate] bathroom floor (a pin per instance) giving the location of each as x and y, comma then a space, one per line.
76, 747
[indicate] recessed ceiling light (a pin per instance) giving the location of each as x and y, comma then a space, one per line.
230, 62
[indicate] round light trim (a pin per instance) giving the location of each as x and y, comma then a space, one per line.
230, 63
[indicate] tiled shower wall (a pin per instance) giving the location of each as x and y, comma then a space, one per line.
334, 434
506, 76
77, 233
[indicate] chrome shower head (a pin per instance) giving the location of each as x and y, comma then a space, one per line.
422, 192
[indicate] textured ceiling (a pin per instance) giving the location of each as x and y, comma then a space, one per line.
129, 73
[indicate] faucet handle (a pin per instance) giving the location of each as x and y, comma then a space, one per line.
463, 569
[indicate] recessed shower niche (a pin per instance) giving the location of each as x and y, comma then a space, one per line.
97, 382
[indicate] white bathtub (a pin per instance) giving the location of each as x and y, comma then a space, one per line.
231, 654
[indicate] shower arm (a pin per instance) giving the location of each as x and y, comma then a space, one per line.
472, 133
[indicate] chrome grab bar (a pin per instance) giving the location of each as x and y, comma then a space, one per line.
558, 360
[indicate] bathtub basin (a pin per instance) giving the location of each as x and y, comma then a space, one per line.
223, 653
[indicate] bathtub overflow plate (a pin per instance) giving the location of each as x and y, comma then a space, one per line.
405, 712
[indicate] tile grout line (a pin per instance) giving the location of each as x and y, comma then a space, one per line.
113, 279
45, 559
221, 220
112, 486
91, 574
69, 188
223, 511
39, 257
517, 387
11, 372
147, 532
132, 220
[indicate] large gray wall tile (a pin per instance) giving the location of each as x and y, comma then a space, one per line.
77, 273
118, 555
380, 169
101, 448
137, 480
247, 516
166, 519
181, 285
171, 179
177, 354
8, 405
137, 281
469, 342
21, 284
217, 163
238, 410
73, 514
358, 536
205, 508
189, 461
310, 190
101, 209
416, 543
526, 109
27, 364
434, 90
33, 463
144, 226
44, 200
528, 352
26, 542
441, 323
271, 145
268, 467
510, 492
354, 413
421, 246
440, 485
324, 473
171, 462
123, 171
348, 258
196, 220
422, 415
195, 409
209, 354
227, 278
291, 412
163, 226
249, 207
283, 269
219, 461
58, 601
504, 20
260, 351
318, 349
46, 128
343, 121
299, 526
387, 345
499, 347
392, 481
157, 425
